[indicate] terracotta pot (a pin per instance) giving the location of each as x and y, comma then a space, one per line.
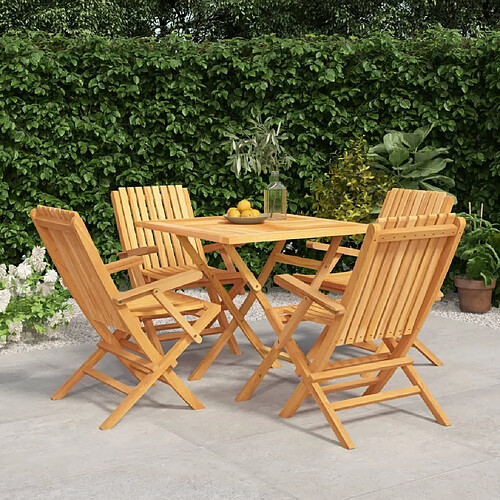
473, 295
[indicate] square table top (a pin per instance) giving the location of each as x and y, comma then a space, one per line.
220, 230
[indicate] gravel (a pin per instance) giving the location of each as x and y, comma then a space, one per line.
79, 331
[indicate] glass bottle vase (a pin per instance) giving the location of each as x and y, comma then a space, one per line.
275, 198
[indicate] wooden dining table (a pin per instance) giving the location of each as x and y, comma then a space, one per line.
231, 236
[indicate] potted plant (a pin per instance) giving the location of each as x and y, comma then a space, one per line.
478, 252
260, 151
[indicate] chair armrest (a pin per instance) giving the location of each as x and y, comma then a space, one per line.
300, 289
315, 245
125, 263
163, 285
137, 251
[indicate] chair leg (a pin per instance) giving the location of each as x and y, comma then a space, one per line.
426, 395
182, 390
295, 401
233, 345
317, 344
130, 400
221, 317
210, 357
153, 335
427, 353
257, 376
331, 416
78, 375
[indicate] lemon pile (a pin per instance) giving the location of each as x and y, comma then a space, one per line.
243, 209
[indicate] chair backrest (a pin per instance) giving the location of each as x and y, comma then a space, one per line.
402, 202
135, 204
400, 269
75, 256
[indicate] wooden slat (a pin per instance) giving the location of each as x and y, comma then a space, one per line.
171, 208
346, 386
197, 242
121, 353
166, 252
402, 234
375, 398
121, 221
106, 379
294, 260
148, 211
136, 216
357, 369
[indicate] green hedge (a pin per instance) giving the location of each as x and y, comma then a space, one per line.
80, 117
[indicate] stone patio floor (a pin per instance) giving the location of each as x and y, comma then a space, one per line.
162, 449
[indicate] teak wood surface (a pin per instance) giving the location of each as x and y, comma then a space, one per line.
123, 320
397, 203
163, 254
400, 269
219, 230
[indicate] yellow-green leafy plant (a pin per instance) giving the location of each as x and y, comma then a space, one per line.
351, 190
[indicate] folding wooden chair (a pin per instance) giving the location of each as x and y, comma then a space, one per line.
398, 203
163, 254
122, 318
400, 269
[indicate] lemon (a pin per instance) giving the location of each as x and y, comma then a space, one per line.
244, 205
233, 212
255, 212
247, 213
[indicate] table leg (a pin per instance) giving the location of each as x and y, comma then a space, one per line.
284, 332
238, 314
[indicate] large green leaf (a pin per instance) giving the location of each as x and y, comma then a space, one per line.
392, 140
426, 169
442, 180
398, 156
428, 153
413, 140
378, 149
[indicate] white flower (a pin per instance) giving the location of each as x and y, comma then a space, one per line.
11, 283
45, 289
37, 258
3, 341
23, 291
12, 271
51, 276
61, 282
15, 327
56, 320
69, 314
38, 253
3, 271
24, 270
5, 296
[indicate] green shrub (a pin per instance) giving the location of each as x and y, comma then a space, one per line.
81, 116
351, 190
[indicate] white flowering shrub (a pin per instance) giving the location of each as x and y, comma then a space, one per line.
32, 298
